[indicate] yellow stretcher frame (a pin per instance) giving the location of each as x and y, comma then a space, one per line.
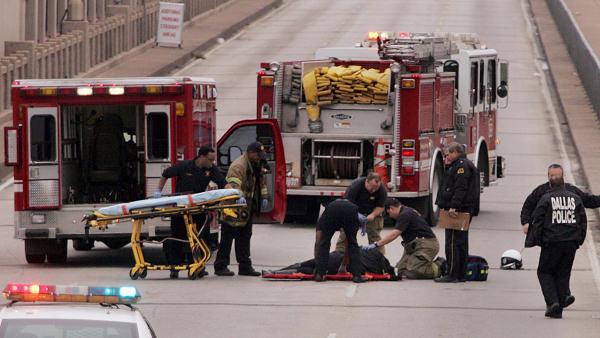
141, 267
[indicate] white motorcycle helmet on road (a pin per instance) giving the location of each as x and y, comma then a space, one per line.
511, 259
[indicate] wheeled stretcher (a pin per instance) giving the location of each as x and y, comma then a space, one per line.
217, 202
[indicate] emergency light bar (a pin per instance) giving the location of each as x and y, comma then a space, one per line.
71, 294
102, 90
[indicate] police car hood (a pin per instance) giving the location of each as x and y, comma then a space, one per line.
72, 312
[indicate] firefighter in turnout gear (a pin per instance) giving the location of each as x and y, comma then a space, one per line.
245, 174
459, 193
559, 227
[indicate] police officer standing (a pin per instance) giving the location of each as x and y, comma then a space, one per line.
245, 174
559, 226
369, 194
193, 176
459, 193
555, 176
339, 214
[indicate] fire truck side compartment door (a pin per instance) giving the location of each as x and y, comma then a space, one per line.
233, 144
158, 138
43, 183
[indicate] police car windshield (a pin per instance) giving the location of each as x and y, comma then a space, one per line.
66, 328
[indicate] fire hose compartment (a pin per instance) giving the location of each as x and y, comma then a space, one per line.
337, 162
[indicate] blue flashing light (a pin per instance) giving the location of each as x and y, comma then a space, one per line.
127, 292
103, 291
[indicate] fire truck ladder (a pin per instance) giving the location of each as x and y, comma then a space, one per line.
200, 251
417, 48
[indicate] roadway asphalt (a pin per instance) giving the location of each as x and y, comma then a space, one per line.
509, 303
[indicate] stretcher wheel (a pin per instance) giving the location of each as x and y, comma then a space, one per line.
192, 275
134, 273
144, 273
195, 273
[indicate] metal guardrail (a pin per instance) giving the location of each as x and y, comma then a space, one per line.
80, 49
583, 56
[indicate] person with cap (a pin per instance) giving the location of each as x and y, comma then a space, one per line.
193, 176
246, 173
420, 244
369, 194
339, 214
559, 226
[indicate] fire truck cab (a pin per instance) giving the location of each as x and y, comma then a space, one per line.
79, 144
432, 89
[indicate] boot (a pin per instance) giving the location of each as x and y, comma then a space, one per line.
248, 271
554, 311
224, 272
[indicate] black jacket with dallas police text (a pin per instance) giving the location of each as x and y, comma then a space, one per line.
559, 217
460, 188
589, 200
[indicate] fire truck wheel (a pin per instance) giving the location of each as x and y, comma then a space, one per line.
116, 243
34, 251
56, 251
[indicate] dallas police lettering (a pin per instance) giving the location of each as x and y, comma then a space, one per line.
563, 210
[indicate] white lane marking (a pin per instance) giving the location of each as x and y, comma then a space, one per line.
350, 291
542, 65
7, 183
332, 335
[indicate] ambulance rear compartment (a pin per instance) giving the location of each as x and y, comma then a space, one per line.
102, 152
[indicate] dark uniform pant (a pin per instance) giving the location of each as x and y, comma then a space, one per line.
242, 237
178, 251
554, 270
324, 245
457, 250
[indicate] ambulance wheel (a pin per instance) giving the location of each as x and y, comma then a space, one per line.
116, 243
34, 251
83, 244
56, 251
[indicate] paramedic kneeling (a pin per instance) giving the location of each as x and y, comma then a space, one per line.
420, 244
339, 214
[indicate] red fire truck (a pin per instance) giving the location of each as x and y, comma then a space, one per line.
79, 144
440, 88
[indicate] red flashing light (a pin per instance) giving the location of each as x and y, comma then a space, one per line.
30, 91
101, 90
408, 152
67, 91
173, 90
408, 170
262, 72
134, 90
